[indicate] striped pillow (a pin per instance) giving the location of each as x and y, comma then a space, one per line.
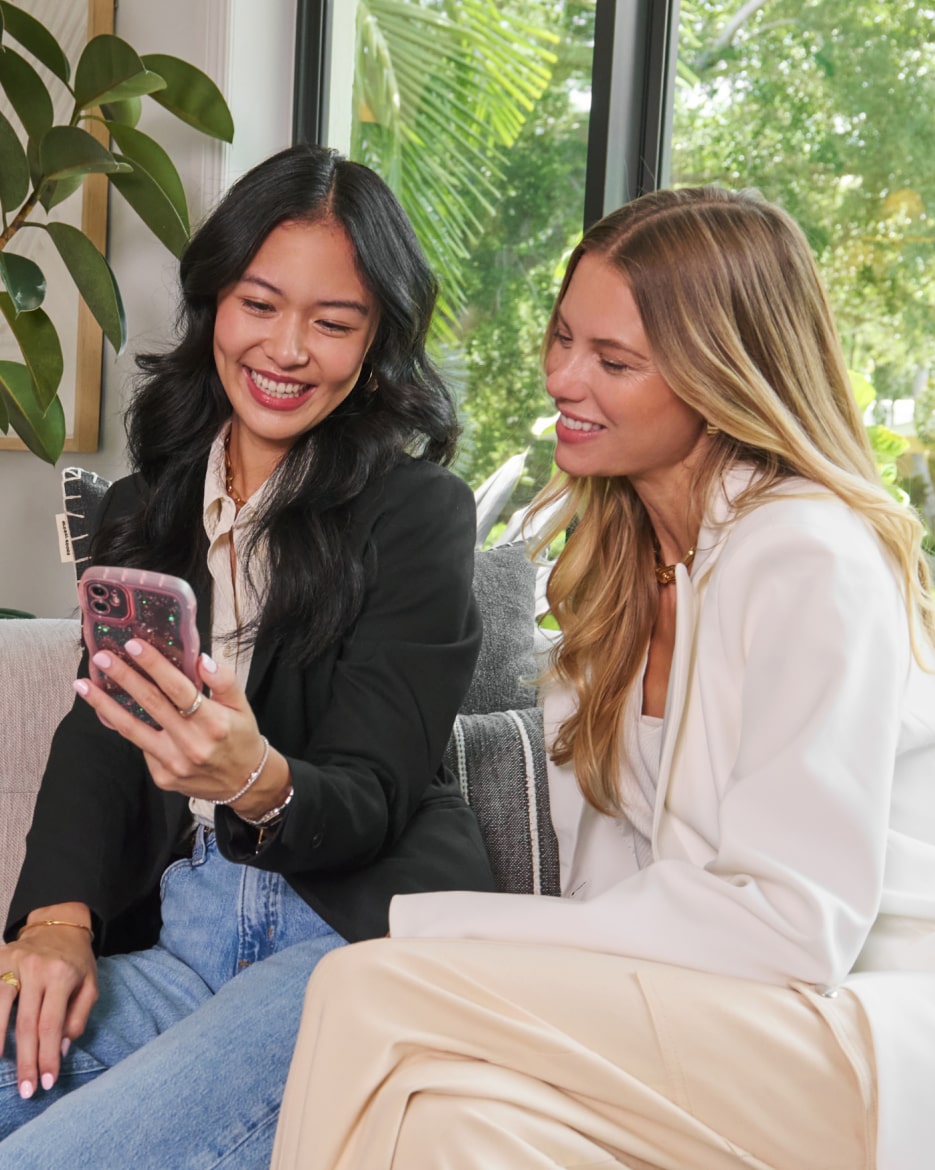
82, 492
499, 759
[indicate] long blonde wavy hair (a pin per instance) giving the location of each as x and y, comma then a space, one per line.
741, 330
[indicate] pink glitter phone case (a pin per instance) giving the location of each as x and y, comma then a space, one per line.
120, 604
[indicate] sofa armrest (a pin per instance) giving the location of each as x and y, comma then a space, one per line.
38, 660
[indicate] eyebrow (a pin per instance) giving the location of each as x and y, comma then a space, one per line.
608, 342
354, 306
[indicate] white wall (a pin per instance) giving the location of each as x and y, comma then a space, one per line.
248, 48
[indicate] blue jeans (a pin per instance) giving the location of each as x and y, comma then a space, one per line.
184, 1060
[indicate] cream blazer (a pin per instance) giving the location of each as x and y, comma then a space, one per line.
794, 823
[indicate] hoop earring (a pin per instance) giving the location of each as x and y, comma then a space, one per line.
372, 385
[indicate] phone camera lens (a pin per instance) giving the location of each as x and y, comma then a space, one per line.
99, 605
98, 590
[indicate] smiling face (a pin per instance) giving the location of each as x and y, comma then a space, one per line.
290, 337
617, 414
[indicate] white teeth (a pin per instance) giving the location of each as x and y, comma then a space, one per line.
575, 424
277, 389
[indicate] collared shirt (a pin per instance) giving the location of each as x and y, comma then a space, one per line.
235, 602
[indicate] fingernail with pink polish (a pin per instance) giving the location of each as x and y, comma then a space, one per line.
133, 647
102, 659
81, 687
66, 1044
209, 664
47, 1081
26, 1089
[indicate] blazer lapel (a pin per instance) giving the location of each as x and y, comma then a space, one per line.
264, 650
688, 603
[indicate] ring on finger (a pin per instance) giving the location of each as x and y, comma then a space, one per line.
10, 978
189, 711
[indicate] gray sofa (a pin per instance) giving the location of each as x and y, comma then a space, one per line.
496, 749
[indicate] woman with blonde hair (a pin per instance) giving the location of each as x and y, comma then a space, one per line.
741, 714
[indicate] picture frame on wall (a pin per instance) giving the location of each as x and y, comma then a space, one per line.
73, 23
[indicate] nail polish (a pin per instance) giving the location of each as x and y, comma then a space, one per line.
47, 1081
26, 1089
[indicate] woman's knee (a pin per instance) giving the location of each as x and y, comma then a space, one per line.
351, 971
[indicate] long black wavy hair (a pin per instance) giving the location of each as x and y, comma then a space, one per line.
315, 582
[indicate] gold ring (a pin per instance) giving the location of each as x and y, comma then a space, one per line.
199, 699
9, 977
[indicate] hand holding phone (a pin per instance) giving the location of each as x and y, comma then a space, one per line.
120, 604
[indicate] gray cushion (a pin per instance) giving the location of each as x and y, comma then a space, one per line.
82, 492
499, 760
504, 585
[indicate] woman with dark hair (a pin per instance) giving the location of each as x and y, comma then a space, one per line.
741, 714
288, 461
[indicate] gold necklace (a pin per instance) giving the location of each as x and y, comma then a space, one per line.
239, 501
665, 574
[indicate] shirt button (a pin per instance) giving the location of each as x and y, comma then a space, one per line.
229, 651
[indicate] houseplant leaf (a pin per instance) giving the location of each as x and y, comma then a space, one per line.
66, 155
145, 152
4, 413
191, 95
153, 206
110, 70
94, 278
126, 112
27, 95
35, 37
67, 151
14, 169
54, 193
24, 281
41, 349
42, 432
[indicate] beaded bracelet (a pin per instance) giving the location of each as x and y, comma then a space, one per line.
54, 922
252, 778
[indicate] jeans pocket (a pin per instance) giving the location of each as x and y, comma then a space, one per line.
183, 864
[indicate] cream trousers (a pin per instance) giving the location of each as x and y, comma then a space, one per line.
448, 1055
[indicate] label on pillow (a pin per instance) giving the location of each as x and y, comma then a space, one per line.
65, 550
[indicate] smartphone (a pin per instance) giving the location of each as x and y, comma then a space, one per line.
120, 604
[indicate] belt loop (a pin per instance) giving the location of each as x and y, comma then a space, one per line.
199, 846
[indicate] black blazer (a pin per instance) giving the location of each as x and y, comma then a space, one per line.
364, 728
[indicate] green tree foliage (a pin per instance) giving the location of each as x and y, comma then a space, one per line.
826, 106
468, 108
515, 268
512, 280
441, 90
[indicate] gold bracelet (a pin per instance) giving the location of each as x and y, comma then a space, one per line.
54, 922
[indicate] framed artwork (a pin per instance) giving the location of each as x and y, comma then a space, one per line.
72, 23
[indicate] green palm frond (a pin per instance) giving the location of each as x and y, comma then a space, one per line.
439, 96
